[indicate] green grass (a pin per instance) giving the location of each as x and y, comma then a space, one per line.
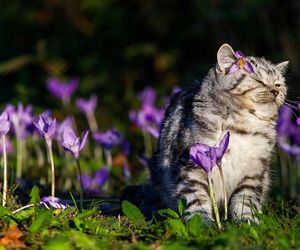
89, 229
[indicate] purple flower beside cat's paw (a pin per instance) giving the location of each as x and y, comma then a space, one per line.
204, 156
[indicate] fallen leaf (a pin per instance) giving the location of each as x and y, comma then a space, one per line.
11, 238
119, 160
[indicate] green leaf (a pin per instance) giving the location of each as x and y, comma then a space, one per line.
195, 225
34, 195
253, 233
42, 220
176, 226
134, 214
169, 213
4, 212
181, 206
58, 243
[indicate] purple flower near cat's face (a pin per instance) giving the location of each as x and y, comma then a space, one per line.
288, 132
241, 63
4, 123
109, 138
203, 156
87, 106
62, 90
72, 143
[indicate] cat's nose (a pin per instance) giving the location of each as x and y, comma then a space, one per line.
274, 92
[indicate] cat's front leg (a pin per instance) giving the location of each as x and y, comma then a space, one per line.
192, 185
245, 201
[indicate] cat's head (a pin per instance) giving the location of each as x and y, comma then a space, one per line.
256, 82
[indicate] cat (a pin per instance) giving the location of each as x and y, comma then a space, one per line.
241, 95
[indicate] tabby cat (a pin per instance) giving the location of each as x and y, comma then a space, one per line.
243, 101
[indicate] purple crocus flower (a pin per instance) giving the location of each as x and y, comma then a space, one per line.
95, 183
109, 138
72, 143
8, 145
54, 203
87, 106
46, 127
148, 118
62, 90
288, 132
21, 119
67, 122
203, 156
241, 63
221, 149
4, 123
147, 96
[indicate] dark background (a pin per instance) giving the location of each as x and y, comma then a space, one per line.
117, 47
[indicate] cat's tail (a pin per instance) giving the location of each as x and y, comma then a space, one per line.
144, 197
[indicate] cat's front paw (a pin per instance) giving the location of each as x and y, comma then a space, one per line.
206, 219
250, 219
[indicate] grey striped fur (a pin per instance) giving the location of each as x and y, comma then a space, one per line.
241, 103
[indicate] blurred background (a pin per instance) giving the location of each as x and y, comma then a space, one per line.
118, 47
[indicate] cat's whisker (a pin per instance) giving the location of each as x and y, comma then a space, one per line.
292, 107
290, 101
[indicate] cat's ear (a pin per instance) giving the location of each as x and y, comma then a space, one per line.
282, 67
225, 58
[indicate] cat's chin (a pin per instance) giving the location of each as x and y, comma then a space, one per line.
266, 111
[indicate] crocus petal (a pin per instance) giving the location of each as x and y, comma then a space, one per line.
69, 136
233, 68
84, 140
248, 67
298, 121
153, 131
205, 159
224, 144
238, 54
101, 176
38, 129
52, 129
4, 116
4, 127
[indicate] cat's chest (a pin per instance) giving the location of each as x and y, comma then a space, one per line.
245, 155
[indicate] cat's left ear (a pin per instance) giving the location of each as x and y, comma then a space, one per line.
282, 67
225, 58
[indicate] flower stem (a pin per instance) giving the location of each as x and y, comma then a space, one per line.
225, 193
147, 143
49, 145
94, 127
4, 172
92, 121
81, 184
19, 157
213, 199
108, 158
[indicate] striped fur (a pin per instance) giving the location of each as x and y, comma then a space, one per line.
242, 103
